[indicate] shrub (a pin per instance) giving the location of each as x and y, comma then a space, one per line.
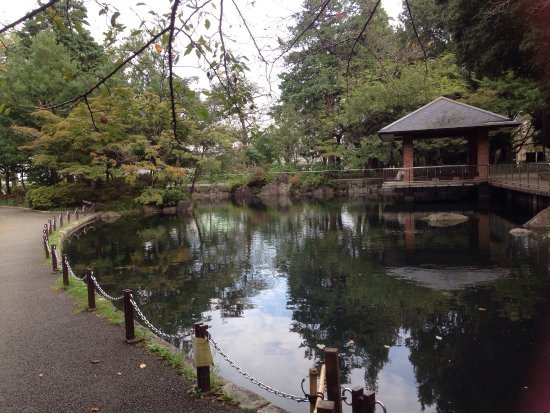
161, 197
40, 198
151, 196
60, 195
171, 196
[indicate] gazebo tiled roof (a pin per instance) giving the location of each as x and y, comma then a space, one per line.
445, 117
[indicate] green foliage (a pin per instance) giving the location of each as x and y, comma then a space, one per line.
171, 196
151, 196
60, 195
162, 197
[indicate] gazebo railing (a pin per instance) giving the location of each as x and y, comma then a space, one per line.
530, 175
434, 173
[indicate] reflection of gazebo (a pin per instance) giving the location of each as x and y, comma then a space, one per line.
447, 118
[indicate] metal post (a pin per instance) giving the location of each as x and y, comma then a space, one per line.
65, 268
128, 316
54, 259
203, 373
91, 289
333, 378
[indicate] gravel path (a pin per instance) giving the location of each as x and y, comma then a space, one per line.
46, 348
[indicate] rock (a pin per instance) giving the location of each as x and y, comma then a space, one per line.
520, 232
184, 207
149, 210
445, 219
275, 189
541, 220
110, 216
323, 193
169, 211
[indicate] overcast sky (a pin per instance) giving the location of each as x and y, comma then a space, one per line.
268, 19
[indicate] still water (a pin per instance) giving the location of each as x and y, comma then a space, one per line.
435, 319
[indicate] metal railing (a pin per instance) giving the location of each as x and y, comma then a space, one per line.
527, 175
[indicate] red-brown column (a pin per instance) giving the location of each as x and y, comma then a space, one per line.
472, 150
408, 159
483, 155
410, 236
484, 233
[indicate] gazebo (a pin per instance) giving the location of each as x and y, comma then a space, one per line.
441, 118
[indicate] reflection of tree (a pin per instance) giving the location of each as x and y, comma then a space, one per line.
335, 258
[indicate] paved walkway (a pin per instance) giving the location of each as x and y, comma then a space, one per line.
46, 348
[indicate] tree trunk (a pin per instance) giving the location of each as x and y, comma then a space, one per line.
8, 188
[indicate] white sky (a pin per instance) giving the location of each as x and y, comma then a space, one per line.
266, 23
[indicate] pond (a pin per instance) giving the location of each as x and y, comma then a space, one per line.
435, 319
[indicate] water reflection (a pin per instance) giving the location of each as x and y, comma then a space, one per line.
440, 319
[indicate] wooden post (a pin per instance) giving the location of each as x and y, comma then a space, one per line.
129, 316
326, 406
68, 217
50, 228
91, 290
333, 378
362, 402
65, 268
312, 387
46, 249
76, 214
54, 259
61, 220
203, 373
54, 223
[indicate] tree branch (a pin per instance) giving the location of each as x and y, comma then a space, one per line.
417, 36
28, 16
112, 72
170, 66
361, 33
309, 26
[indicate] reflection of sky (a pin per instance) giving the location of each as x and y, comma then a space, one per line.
397, 386
262, 344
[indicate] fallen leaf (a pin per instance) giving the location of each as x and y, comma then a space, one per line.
321, 346
142, 365
439, 338
94, 409
386, 346
94, 361
482, 309
40, 375
119, 373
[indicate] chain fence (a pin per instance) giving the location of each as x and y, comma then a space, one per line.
179, 336
252, 379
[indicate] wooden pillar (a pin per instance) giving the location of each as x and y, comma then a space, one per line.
408, 159
482, 155
484, 234
410, 240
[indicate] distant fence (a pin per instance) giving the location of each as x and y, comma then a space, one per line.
325, 396
522, 175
